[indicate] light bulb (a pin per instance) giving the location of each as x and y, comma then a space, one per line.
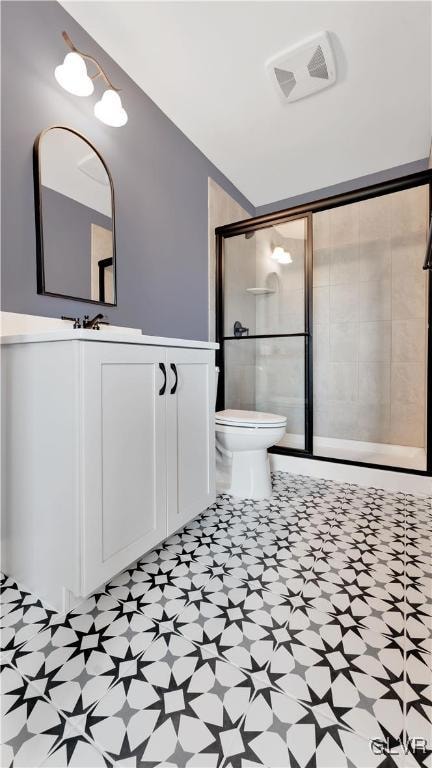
285, 258
109, 109
72, 75
277, 253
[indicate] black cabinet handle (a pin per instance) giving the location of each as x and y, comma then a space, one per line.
163, 387
174, 370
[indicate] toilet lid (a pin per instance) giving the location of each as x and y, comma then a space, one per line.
249, 419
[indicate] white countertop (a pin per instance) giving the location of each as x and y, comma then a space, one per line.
105, 335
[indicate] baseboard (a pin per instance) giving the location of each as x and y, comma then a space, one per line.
347, 473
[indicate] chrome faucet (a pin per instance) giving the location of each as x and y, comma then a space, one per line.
94, 324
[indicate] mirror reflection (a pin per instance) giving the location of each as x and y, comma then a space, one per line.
76, 245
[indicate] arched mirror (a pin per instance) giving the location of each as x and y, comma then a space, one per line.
75, 228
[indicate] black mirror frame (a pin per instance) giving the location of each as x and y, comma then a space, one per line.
428, 258
40, 268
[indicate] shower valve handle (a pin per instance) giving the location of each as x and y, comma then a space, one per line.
239, 329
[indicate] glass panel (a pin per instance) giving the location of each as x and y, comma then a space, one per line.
370, 321
268, 375
264, 278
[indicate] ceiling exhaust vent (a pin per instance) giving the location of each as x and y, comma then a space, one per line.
305, 69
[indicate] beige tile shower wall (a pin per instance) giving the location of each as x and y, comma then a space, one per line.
283, 310
370, 320
222, 209
280, 381
280, 362
239, 275
240, 369
265, 375
240, 358
240, 366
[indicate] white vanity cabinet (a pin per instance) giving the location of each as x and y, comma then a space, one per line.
124, 458
190, 436
108, 449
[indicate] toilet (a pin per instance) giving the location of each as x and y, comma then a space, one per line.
247, 435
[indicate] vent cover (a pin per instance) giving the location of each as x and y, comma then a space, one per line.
304, 69
92, 166
317, 66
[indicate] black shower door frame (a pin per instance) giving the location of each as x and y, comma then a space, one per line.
306, 334
306, 211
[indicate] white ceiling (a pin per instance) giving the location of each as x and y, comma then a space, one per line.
69, 166
203, 63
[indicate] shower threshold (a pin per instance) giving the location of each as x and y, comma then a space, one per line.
403, 456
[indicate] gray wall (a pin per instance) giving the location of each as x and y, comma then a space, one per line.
160, 181
344, 186
67, 243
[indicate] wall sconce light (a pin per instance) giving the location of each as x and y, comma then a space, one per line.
109, 109
285, 258
73, 77
277, 252
281, 256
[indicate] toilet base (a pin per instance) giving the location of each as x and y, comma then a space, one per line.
250, 475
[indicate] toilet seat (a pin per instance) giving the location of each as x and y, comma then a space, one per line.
249, 419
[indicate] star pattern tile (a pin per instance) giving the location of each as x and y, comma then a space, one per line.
291, 632
22, 615
34, 733
177, 708
278, 731
73, 662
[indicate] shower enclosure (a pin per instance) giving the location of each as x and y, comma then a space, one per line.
322, 317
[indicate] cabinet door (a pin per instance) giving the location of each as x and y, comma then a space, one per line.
124, 457
190, 434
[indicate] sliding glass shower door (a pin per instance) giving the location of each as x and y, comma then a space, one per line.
370, 330
265, 317
323, 317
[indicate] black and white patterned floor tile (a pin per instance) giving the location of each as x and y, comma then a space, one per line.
74, 661
180, 708
282, 569
240, 621
373, 597
163, 582
419, 601
419, 583
34, 733
22, 615
418, 722
347, 672
278, 731
288, 632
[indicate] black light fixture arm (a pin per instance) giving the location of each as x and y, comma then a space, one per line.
100, 71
